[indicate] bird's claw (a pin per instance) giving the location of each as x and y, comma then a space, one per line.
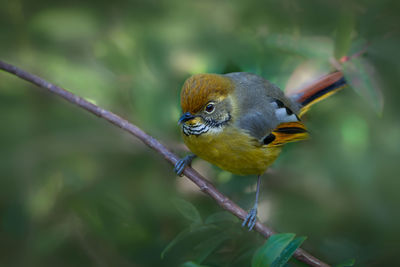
180, 166
182, 163
250, 219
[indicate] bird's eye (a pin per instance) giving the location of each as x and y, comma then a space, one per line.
209, 108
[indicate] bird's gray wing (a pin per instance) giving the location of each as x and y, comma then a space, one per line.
262, 105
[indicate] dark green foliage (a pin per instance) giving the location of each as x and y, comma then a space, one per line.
217, 229
188, 211
277, 250
347, 263
76, 191
192, 264
361, 76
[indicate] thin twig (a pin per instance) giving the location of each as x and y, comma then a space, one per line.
190, 173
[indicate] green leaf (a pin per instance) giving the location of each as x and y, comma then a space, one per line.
343, 34
361, 75
177, 239
192, 264
288, 252
221, 217
271, 250
206, 247
188, 210
243, 256
347, 263
297, 263
194, 228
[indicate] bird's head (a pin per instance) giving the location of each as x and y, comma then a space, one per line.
205, 103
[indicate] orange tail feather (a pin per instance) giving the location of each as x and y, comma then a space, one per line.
289, 132
319, 90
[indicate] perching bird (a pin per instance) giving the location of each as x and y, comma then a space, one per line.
240, 121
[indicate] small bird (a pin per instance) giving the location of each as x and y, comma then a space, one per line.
240, 121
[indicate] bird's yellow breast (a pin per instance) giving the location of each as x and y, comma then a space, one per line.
233, 150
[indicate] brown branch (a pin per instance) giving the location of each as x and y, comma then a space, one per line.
190, 173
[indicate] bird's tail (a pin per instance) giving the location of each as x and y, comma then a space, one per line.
320, 89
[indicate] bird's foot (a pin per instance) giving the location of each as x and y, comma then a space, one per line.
182, 163
251, 218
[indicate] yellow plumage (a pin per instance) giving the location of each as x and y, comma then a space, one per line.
241, 155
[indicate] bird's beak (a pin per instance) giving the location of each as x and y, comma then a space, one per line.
185, 117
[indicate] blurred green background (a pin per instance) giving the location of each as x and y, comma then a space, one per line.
77, 191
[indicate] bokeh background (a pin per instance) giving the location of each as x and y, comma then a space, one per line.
77, 191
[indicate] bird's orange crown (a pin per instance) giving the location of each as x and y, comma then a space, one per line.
199, 89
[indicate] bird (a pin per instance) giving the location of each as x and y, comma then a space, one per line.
240, 121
